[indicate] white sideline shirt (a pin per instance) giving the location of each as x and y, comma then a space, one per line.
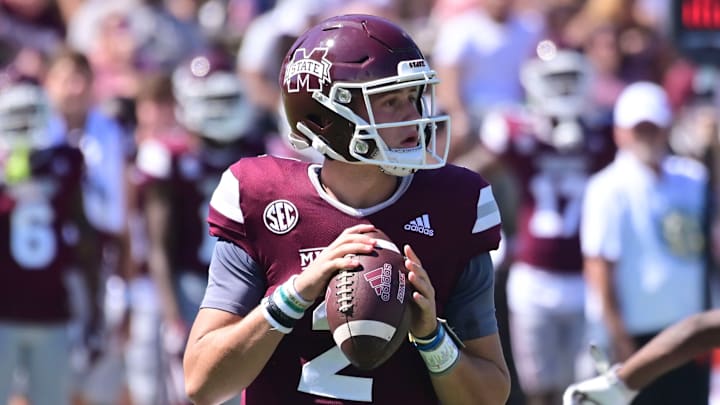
626, 208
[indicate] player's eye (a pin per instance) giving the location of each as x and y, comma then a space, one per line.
390, 101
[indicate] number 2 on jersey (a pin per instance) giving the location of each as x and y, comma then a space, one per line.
319, 375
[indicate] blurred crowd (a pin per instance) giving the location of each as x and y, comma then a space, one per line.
118, 117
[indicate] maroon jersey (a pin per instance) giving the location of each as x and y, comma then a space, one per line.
38, 233
552, 184
190, 176
276, 210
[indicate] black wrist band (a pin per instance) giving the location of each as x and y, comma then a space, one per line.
281, 317
432, 334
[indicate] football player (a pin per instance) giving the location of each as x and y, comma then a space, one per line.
179, 168
357, 89
45, 238
550, 146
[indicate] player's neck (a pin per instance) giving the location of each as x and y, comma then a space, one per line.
359, 186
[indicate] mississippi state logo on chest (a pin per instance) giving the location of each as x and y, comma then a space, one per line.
307, 71
280, 216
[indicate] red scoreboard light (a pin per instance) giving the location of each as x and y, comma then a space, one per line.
696, 29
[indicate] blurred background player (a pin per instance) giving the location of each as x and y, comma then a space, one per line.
180, 163
49, 240
154, 112
550, 147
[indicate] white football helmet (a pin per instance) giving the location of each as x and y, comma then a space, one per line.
558, 85
211, 98
25, 115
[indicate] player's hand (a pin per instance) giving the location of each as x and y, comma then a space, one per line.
312, 282
605, 389
424, 318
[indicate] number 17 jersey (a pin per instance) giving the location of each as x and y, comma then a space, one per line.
551, 182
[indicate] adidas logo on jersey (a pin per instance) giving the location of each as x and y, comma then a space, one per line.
421, 225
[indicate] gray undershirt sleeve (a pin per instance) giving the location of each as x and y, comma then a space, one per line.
236, 283
471, 309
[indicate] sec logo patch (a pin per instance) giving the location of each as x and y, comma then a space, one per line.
280, 216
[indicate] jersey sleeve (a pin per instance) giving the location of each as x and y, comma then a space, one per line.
226, 217
154, 160
495, 133
600, 223
480, 216
487, 218
471, 308
236, 283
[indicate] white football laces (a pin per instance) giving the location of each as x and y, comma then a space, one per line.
343, 290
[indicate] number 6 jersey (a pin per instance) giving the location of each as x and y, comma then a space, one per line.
38, 231
276, 211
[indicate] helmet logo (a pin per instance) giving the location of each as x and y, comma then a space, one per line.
280, 216
306, 66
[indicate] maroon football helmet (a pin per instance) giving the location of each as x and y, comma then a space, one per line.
329, 74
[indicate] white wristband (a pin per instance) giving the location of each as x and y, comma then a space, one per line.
295, 296
289, 301
442, 357
283, 301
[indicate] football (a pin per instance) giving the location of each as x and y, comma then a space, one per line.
368, 306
